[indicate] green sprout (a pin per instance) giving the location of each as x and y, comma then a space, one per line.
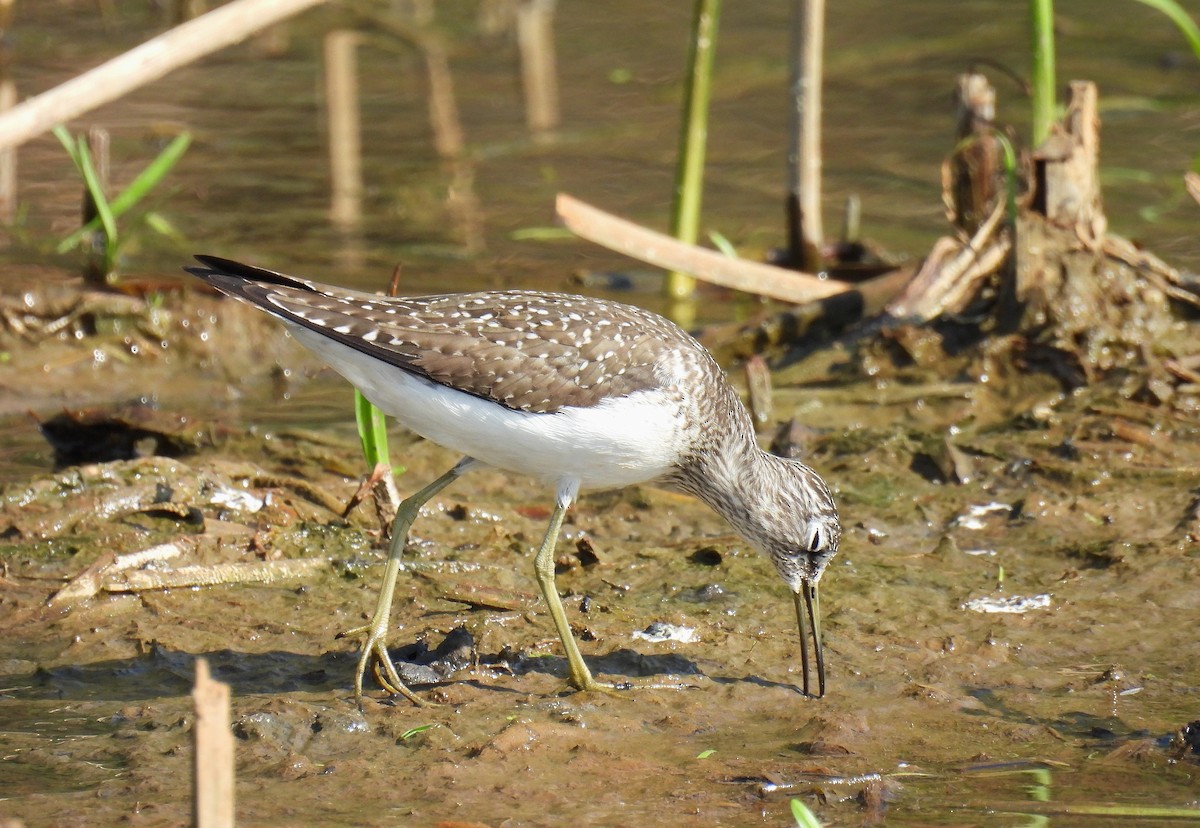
108, 211
804, 817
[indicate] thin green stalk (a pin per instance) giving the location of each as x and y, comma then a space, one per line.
1041, 16
1010, 173
372, 430
689, 174
1180, 18
804, 817
155, 171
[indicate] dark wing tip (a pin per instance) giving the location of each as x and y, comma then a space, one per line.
215, 266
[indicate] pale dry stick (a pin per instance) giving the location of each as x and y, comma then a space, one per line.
93, 579
535, 41
212, 741
941, 285
8, 158
1191, 180
804, 157
254, 572
118, 573
663, 251
973, 268
148, 62
345, 133
1166, 278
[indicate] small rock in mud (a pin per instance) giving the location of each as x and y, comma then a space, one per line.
708, 556
337, 722
585, 551
662, 631
1186, 741
521, 736
792, 439
416, 664
276, 730
707, 594
835, 734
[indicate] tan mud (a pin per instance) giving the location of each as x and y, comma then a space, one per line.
1090, 512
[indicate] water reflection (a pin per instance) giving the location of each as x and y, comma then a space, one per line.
257, 182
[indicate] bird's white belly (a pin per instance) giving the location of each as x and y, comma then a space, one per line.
618, 442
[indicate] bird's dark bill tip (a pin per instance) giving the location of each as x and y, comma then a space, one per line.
808, 619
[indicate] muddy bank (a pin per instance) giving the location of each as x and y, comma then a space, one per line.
1015, 596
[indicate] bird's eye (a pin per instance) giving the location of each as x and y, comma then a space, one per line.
814, 543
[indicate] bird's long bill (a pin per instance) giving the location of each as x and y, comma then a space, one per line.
808, 613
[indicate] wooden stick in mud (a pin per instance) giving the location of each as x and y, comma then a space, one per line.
970, 177
156, 57
222, 574
95, 261
539, 75
213, 773
8, 158
345, 131
1068, 163
806, 233
953, 272
663, 251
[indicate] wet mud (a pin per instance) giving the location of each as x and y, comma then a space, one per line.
1010, 626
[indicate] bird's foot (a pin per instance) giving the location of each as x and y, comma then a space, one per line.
374, 653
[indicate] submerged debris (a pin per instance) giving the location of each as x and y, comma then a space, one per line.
1031, 297
126, 432
660, 631
417, 664
1008, 604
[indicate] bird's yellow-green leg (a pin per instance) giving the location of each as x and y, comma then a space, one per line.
581, 676
376, 644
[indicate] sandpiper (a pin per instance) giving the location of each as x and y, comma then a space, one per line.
578, 393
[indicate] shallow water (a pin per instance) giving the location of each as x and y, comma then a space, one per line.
255, 183
936, 714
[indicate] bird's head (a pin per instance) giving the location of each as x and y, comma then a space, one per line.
805, 536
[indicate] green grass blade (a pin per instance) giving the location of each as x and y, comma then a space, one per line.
1010, 173
155, 171
82, 159
722, 244
804, 817
372, 430
136, 191
541, 234
1180, 18
161, 225
103, 211
689, 174
414, 731
68, 141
